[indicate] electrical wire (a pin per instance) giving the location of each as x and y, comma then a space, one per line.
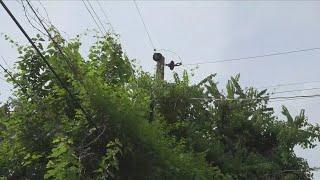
45, 10
295, 90
47, 21
42, 17
288, 84
23, 89
67, 59
6, 64
145, 26
92, 17
263, 98
297, 99
27, 14
3, 78
99, 20
106, 17
13, 79
253, 57
75, 102
168, 50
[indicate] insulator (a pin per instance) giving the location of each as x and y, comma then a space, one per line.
171, 65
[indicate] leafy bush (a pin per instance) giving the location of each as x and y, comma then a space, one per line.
186, 135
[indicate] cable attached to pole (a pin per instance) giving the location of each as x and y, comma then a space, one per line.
253, 57
145, 26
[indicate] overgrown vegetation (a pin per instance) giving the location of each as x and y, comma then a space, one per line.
188, 136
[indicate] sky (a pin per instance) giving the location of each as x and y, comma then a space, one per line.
202, 31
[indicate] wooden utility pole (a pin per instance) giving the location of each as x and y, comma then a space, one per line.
159, 58
160, 65
160, 69
159, 76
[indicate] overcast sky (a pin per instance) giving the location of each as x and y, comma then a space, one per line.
203, 31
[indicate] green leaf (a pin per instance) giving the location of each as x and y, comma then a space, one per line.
287, 114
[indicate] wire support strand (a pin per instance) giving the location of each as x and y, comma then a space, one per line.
92, 17
252, 57
262, 98
145, 26
106, 17
99, 20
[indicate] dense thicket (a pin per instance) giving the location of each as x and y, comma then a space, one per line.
187, 135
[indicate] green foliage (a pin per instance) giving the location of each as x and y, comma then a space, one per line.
192, 132
109, 164
237, 132
63, 163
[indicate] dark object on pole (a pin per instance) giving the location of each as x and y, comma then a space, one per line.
171, 65
157, 57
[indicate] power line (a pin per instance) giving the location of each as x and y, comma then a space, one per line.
68, 60
42, 17
6, 64
262, 98
45, 10
297, 99
106, 17
26, 13
12, 78
253, 57
295, 90
171, 51
4, 75
31, 42
92, 17
288, 84
145, 26
47, 21
97, 16
4, 80
23, 89
75, 102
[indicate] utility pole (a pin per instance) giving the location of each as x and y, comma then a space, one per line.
159, 76
159, 58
